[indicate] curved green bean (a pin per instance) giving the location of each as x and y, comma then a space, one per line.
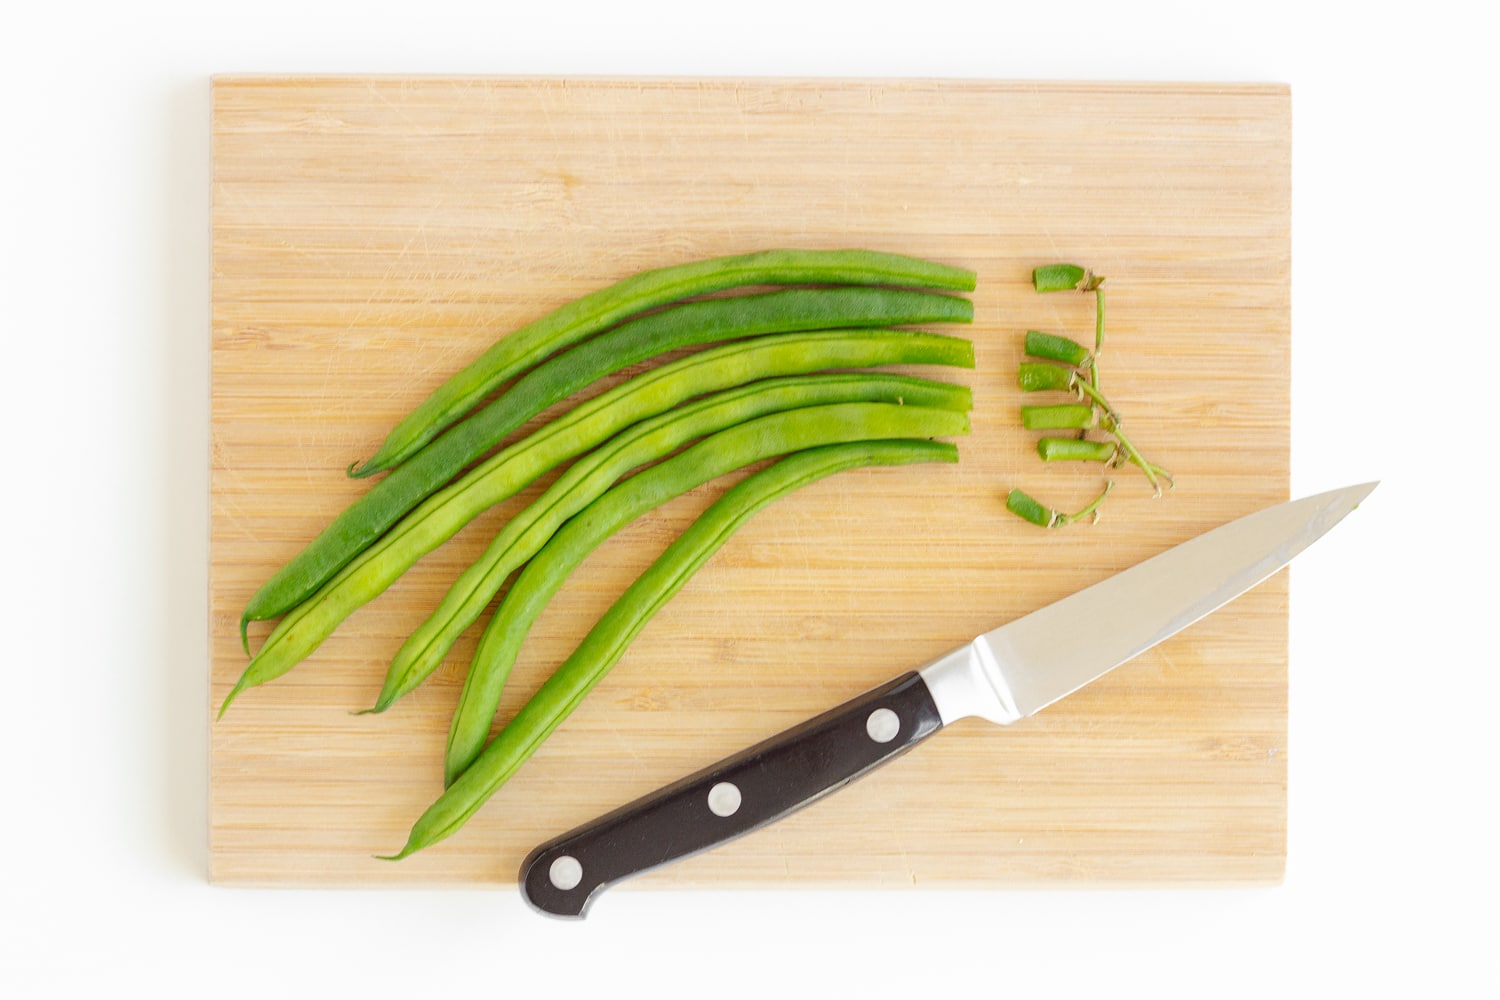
442, 515
680, 326
721, 453
617, 628
595, 472
646, 290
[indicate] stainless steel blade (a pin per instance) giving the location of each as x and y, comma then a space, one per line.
1020, 668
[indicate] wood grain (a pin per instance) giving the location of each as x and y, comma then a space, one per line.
370, 236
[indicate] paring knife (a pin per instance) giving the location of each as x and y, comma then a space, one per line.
1003, 676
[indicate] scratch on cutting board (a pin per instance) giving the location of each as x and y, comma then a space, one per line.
760, 698
627, 744
904, 854
802, 549
545, 106
375, 91
786, 862
227, 505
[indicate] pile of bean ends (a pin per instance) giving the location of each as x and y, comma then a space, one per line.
780, 375
1065, 365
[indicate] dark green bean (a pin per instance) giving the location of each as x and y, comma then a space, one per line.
646, 290
607, 641
442, 515
680, 326
595, 472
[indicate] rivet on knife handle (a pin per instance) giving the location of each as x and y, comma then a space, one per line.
731, 798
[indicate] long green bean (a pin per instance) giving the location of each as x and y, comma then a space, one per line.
646, 290
680, 326
595, 472
607, 641
442, 515
714, 456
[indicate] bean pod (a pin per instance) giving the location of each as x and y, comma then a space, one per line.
711, 457
638, 445
607, 641
684, 325
444, 513
604, 308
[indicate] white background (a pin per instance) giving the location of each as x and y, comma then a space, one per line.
1391, 878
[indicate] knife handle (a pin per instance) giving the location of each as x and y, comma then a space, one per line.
731, 798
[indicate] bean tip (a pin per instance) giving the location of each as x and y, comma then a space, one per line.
383, 701
410, 848
233, 694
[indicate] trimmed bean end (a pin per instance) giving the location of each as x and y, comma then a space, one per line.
1057, 277
1025, 506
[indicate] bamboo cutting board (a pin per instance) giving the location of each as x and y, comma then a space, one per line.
370, 236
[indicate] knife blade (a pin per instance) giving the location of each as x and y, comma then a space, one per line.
1003, 675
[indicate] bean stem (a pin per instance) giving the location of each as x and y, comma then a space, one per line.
1098, 326
645, 290
608, 640
1154, 473
1066, 277
1082, 378
1023, 504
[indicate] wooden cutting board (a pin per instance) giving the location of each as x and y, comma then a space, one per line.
370, 236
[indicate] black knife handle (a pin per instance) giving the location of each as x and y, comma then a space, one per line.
730, 798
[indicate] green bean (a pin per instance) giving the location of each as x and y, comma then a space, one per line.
1063, 415
1111, 422
1037, 376
1024, 505
676, 327
601, 309
1074, 450
1062, 277
1057, 277
1055, 348
595, 472
442, 515
607, 641
721, 453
